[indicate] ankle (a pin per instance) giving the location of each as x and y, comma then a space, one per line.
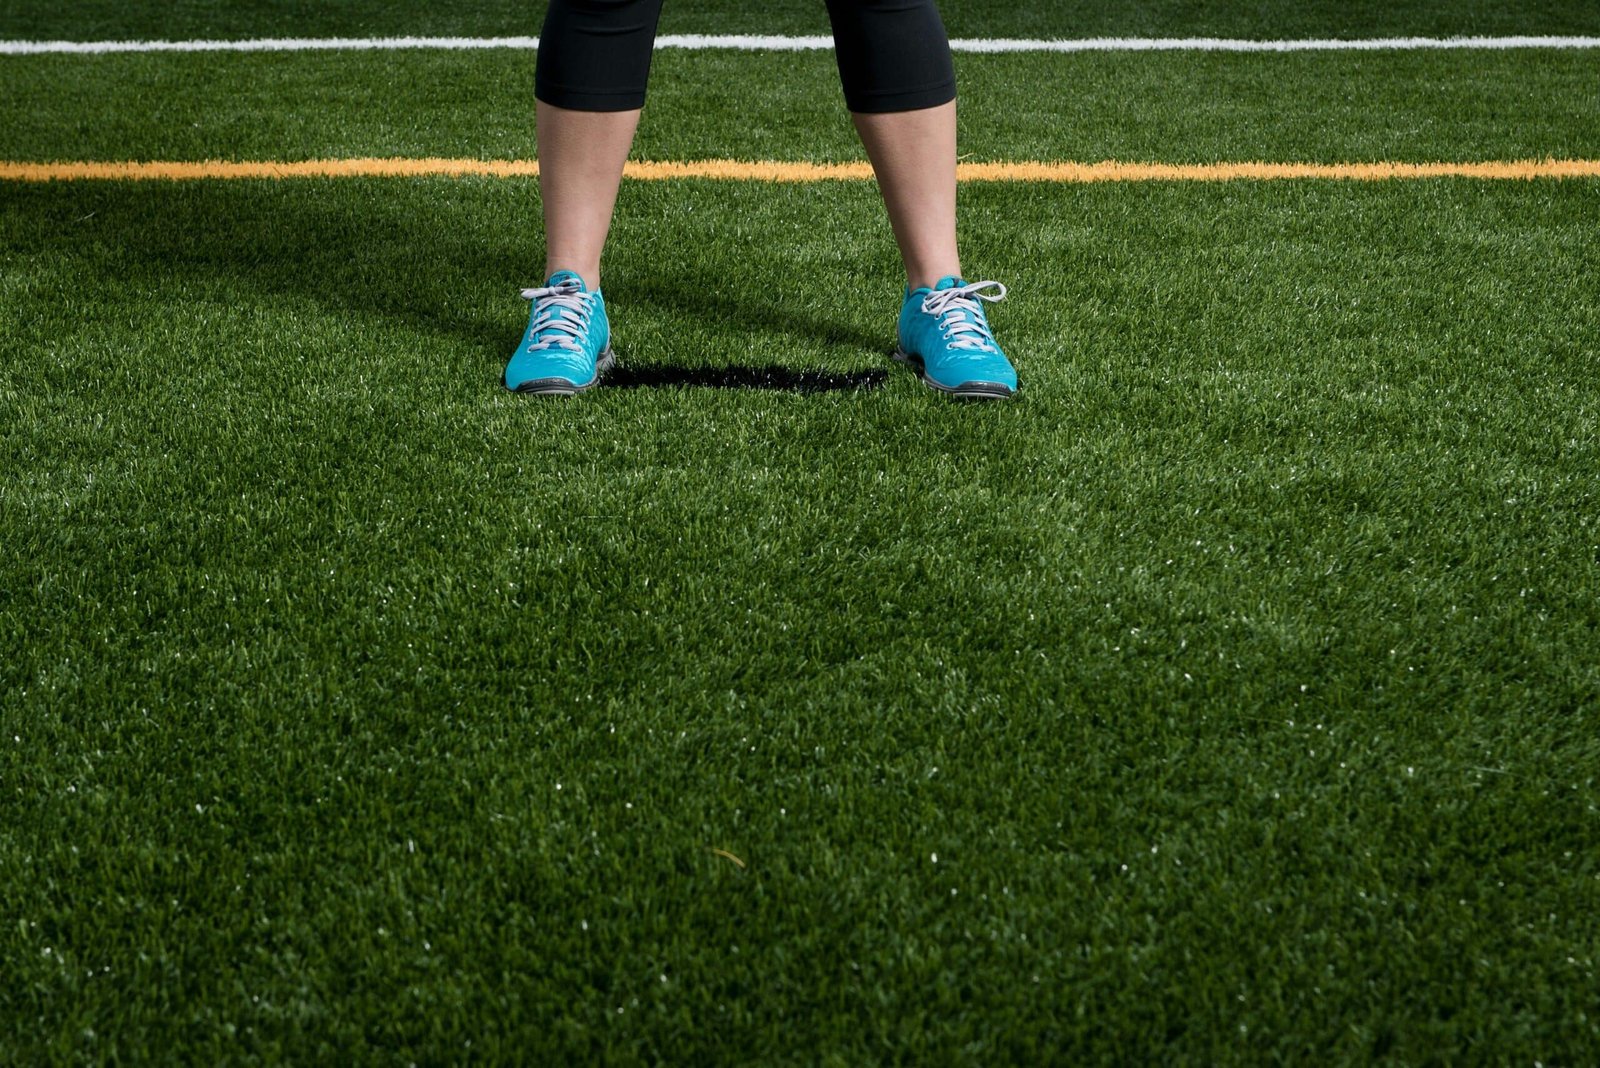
928, 277
590, 273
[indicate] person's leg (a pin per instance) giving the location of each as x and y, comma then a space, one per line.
913, 154
594, 63
900, 86
593, 67
581, 155
899, 83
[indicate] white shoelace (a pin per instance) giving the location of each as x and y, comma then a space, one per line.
564, 330
961, 320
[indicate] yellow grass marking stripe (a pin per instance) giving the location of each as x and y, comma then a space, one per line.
777, 171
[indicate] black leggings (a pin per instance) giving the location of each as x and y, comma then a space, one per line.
594, 55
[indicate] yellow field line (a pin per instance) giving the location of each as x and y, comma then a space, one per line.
777, 171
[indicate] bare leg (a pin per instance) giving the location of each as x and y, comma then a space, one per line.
581, 154
913, 153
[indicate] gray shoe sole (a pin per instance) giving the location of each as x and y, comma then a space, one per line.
561, 387
970, 390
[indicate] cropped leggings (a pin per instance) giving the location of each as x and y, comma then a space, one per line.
594, 55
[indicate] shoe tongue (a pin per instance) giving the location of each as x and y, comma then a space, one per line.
949, 281
563, 276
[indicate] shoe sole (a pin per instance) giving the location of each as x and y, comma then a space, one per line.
565, 387
969, 390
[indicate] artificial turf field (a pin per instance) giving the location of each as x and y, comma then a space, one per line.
1231, 696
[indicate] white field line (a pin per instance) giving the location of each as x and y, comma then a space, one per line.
802, 44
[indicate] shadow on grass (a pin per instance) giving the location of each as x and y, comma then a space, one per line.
723, 305
413, 254
783, 379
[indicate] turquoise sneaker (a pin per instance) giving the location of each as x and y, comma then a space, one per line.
567, 345
945, 337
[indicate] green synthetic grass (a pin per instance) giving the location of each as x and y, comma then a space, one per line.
345, 689
178, 19
1231, 696
1165, 106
